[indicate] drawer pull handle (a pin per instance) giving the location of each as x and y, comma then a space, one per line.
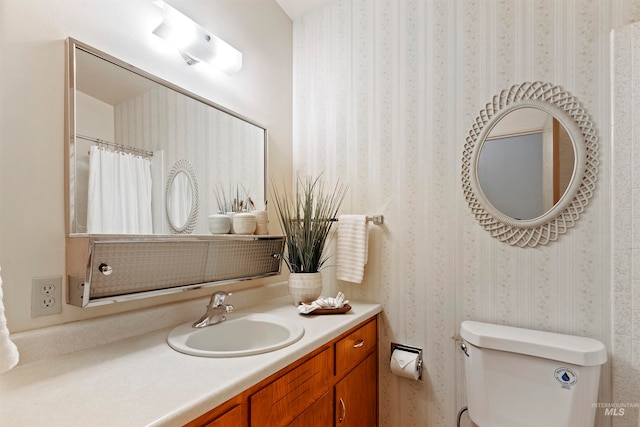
344, 411
358, 344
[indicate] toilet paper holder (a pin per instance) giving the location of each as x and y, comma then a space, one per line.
416, 350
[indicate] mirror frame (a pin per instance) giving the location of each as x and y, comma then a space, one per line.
563, 215
211, 254
183, 166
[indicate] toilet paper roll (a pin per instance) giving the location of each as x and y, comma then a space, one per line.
405, 364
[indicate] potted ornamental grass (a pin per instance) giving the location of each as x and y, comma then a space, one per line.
306, 218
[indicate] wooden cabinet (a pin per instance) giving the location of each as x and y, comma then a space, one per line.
334, 385
287, 397
234, 417
320, 414
232, 414
353, 348
357, 396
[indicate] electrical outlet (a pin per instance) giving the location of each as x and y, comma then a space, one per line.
46, 296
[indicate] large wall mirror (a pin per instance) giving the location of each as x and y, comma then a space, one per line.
530, 164
127, 130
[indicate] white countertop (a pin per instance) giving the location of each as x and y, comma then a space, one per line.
141, 381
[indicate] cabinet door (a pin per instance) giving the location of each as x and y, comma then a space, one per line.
357, 396
233, 418
320, 414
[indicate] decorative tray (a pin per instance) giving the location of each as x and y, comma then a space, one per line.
340, 310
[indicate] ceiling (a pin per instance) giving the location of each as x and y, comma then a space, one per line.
296, 9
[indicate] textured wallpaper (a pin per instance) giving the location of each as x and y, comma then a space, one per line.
384, 95
625, 194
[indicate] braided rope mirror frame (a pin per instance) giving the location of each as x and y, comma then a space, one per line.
563, 215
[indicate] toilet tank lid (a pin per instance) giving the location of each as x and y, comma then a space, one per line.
580, 351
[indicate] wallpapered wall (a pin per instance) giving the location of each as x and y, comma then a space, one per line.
625, 177
384, 95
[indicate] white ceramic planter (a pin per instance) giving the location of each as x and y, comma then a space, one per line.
219, 223
244, 223
262, 222
305, 287
231, 215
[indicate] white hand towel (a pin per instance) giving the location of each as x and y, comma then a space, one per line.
352, 247
8, 351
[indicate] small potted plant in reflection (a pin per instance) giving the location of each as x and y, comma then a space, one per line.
236, 205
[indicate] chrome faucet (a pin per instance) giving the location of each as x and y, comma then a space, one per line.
216, 311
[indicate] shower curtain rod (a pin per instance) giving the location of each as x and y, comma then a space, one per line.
120, 147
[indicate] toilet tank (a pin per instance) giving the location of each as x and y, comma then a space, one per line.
526, 378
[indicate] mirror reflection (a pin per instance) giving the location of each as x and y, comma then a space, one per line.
118, 192
526, 163
120, 110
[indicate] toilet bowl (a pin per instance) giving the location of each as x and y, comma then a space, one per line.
525, 378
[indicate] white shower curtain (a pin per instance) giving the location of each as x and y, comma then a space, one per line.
119, 193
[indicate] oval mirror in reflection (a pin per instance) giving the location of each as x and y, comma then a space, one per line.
179, 200
526, 163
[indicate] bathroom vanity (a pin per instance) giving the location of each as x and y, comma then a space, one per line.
338, 381
141, 381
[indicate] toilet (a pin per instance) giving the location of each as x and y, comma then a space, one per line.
525, 378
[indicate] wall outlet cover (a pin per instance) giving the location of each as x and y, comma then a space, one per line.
46, 296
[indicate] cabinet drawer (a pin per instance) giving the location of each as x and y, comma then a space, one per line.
287, 397
354, 347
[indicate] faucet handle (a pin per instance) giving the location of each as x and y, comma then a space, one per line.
217, 299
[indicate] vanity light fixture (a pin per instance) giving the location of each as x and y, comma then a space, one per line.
195, 43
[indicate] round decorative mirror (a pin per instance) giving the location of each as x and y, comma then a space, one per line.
181, 198
530, 164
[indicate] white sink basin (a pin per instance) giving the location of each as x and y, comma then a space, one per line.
237, 336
